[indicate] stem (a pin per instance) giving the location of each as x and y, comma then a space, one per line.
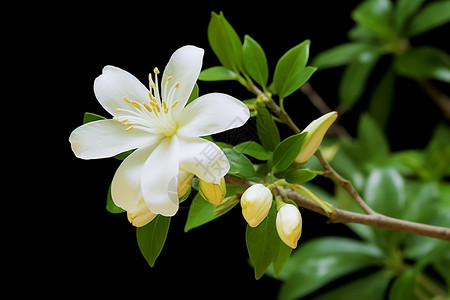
343, 216
438, 97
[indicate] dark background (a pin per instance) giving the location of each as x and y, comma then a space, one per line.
90, 251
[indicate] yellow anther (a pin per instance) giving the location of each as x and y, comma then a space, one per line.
124, 121
147, 107
165, 105
157, 108
169, 78
118, 110
129, 128
115, 119
156, 71
176, 102
151, 97
177, 85
135, 104
126, 100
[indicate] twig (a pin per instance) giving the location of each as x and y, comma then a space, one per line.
343, 216
438, 97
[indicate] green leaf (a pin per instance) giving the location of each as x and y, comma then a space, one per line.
225, 42
424, 62
285, 153
382, 98
266, 128
370, 287
218, 73
385, 192
255, 61
90, 117
263, 243
431, 16
372, 137
194, 94
319, 261
110, 206
253, 149
403, 12
240, 165
290, 72
281, 257
299, 175
202, 211
404, 286
151, 238
355, 76
339, 55
375, 15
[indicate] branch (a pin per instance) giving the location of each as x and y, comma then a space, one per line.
438, 97
343, 216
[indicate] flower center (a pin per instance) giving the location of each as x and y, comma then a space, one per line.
153, 115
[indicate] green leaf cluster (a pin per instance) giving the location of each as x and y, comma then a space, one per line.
385, 29
410, 185
247, 63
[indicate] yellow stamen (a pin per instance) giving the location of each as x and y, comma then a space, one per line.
177, 85
147, 107
156, 71
118, 110
135, 104
126, 100
169, 78
129, 128
176, 102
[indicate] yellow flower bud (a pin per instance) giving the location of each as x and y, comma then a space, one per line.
255, 203
315, 132
184, 182
213, 192
289, 225
140, 215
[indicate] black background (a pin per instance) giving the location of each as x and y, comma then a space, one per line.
87, 250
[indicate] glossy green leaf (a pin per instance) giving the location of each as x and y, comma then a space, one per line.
319, 261
385, 192
253, 149
372, 137
375, 15
202, 211
432, 15
370, 287
355, 76
225, 42
218, 73
424, 62
263, 243
240, 165
281, 257
255, 61
266, 128
403, 12
285, 152
339, 55
290, 72
151, 238
299, 175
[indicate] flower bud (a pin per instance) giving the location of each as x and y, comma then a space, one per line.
289, 225
315, 132
141, 214
255, 203
213, 192
184, 182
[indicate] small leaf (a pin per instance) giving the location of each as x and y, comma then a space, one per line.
151, 238
299, 175
375, 15
263, 243
90, 117
372, 137
255, 61
225, 42
240, 165
430, 16
218, 73
110, 206
253, 149
403, 11
290, 72
424, 62
339, 55
267, 129
285, 153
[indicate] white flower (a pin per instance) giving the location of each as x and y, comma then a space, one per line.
164, 130
255, 203
289, 225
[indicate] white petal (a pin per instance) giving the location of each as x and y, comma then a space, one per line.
212, 113
184, 67
106, 138
114, 84
203, 158
160, 177
126, 184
